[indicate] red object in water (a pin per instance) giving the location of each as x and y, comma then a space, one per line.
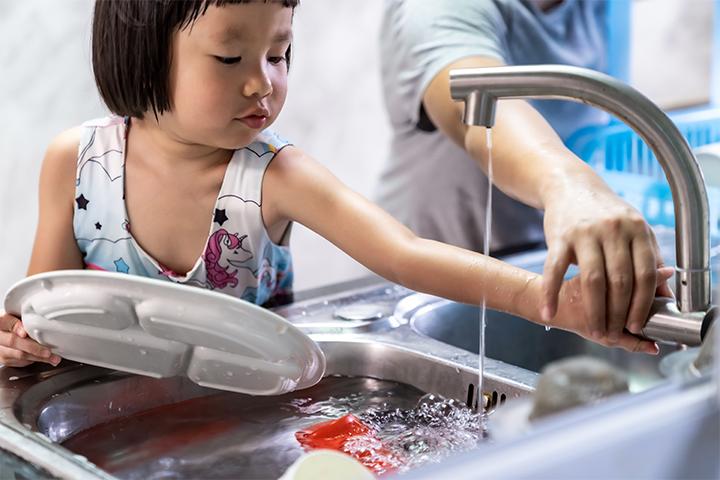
335, 434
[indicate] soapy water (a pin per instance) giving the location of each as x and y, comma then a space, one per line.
396, 440
228, 435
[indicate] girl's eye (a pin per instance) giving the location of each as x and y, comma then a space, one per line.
276, 60
228, 60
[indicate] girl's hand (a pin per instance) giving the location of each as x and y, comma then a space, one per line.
19, 350
571, 316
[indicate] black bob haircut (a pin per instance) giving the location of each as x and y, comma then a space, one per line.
131, 49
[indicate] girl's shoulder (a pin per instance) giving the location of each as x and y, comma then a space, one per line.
62, 150
111, 121
269, 141
65, 146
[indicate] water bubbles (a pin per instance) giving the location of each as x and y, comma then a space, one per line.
429, 432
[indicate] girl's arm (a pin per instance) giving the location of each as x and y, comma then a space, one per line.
298, 188
55, 247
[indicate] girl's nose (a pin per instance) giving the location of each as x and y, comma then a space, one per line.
258, 84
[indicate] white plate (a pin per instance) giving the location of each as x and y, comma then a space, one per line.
162, 329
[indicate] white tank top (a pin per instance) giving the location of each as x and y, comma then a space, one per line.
239, 257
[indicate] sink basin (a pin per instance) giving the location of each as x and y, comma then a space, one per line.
518, 342
111, 423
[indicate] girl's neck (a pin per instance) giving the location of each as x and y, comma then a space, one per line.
167, 150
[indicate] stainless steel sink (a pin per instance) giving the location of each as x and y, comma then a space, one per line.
379, 337
516, 341
366, 341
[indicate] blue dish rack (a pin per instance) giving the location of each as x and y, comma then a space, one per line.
627, 164
622, 158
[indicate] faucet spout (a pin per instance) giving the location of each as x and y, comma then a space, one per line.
481, 88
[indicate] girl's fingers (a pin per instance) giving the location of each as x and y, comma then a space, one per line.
8, 322
16, 358
632, 343
26, 345
19, 330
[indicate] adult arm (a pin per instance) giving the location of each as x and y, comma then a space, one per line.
585, 222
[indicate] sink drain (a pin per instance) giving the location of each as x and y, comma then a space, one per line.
360, 313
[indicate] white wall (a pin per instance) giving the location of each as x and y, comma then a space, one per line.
334, 111
671, 55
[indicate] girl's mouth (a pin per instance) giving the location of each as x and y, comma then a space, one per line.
254, 121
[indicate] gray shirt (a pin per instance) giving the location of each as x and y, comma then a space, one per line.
429, 183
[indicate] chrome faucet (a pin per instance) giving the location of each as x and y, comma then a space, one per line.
683, 321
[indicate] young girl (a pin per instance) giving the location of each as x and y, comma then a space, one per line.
185, 182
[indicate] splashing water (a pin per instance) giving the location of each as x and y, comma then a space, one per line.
229, 435
393, 440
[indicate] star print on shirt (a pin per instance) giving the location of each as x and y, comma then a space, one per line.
220, 216
98, 226
121, 266
82, 202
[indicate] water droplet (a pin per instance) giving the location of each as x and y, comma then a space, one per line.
548, 328
229, 373
143, 352
13, 378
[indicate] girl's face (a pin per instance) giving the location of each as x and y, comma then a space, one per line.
228, 74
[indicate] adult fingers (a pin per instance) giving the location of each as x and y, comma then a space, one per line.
556, 264
592, 285
619, 271
663, 288
646, 281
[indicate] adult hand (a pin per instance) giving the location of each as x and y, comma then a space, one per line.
19, 350
617, 255
572, 312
